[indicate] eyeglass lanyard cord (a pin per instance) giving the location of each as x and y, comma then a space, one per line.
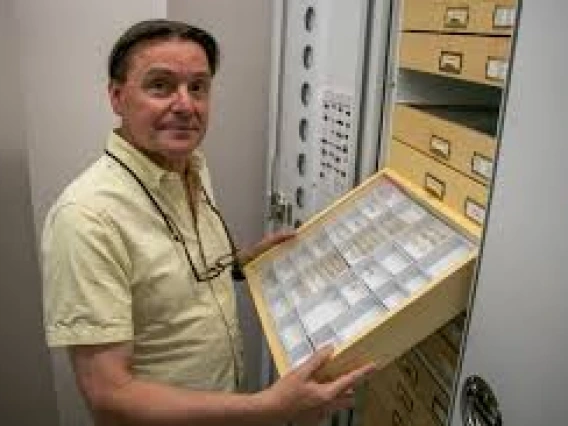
178, 238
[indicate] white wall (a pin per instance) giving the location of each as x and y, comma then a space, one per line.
63, 49
237, 140
27, 397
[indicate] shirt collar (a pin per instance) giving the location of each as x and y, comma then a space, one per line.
148, 171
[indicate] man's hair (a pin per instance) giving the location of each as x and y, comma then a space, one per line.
158, 29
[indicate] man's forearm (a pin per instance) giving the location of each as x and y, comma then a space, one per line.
144, 403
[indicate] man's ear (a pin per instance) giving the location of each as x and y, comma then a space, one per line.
115, 95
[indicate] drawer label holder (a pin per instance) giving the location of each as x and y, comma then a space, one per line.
456, 17
481, 166
451, 62
440, 147
474, 211
496, 69
504, 17
434, 186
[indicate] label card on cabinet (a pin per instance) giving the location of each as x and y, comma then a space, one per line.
474, 211
482, 166
440, 147
456, 17
451, 62
496, 69
504, 17
434, 186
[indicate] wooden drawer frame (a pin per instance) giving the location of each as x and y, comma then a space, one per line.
488, 17
400, 329
427, 389
437, 181
467, 150
470, 58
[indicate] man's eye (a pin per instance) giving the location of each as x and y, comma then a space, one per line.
199, 87
160, 86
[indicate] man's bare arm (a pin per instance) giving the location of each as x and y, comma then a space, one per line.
115, 397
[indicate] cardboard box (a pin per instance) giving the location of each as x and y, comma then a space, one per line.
374, 274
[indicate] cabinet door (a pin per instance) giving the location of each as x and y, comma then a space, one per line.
517, 339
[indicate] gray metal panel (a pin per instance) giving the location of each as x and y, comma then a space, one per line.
517, 338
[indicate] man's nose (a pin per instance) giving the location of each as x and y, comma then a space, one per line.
184, 101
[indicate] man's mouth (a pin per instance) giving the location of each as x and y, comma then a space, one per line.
180, 128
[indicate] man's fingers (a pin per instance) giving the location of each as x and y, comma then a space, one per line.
281, 236
340, 403
349, 380
309, 367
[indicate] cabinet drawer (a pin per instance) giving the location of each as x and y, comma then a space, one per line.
373, 413
458, 16
465, 57
460, 193
393, 411
407, 398
453, 332
375, 273
434, 131
440, 357
428, 389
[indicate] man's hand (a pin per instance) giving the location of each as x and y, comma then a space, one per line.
299, 396
267, 242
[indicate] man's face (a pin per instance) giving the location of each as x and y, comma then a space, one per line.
164, 101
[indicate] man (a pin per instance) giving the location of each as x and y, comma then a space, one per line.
137, 259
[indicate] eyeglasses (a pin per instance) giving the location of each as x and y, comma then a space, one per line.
222, 262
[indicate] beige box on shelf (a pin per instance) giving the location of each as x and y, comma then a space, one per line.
374, 274
465, 57
456, 136
491, 17
465, 196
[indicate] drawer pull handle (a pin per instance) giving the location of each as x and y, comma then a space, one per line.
409, 370
396, 419
456, 17
440, 147
434, 186
451, 62
404, 397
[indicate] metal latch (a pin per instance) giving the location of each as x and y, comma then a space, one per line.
277, 208
478, 404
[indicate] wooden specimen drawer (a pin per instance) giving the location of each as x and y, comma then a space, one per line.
471, 58
374, 412
489, 17
428, 387
462, 194
375, 273
391, 409
466, 147
403, 398
453, 332
440, 356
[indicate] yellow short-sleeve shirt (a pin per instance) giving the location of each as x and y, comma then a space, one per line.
113, 272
